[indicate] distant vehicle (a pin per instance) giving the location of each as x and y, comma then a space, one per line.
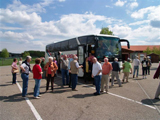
99, 45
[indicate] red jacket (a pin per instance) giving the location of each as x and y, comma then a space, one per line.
36, 71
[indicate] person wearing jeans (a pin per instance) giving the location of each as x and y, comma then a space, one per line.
24, 77
74, 65
97, 82
74, 78
37, 75
65, 74
64, 70
14, 67
136, 63
96, 74
25, 67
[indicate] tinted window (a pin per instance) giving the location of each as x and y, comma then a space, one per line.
57, 46
91, 40
82, 40
73, 44
64, 45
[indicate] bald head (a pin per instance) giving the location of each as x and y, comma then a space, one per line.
106, 60
94, 60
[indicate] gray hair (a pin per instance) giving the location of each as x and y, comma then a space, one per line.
50, 58
28, 57
115, 59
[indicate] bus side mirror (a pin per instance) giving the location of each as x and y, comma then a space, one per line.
124, 40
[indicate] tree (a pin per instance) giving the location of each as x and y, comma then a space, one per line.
106, 31
147, 51
154, 50
25, 54
4, 53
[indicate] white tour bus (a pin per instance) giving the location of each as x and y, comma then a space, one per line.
99, 45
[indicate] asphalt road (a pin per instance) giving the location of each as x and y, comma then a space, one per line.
133, 101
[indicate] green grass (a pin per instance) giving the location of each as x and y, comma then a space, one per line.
9, 61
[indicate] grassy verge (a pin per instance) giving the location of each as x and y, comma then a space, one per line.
9, 61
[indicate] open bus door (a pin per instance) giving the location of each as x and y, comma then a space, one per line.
81, 54
91, 49
81, 50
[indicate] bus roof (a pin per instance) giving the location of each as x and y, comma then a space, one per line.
103, 35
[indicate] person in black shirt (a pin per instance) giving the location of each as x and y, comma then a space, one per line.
144, 67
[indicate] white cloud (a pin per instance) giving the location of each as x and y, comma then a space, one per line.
140, 13
10, 28
152, 14
133, 5
107, 6
39, 7
17, 37
140, 22
61, 0
36, 34
120, 3
121, 31
20, 17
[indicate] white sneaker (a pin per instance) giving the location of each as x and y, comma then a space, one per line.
36, 97
39, 95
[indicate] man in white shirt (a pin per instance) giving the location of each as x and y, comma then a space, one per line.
97, 74
136, 63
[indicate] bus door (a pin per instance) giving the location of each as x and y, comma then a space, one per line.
81, 58
92, 49
81, 54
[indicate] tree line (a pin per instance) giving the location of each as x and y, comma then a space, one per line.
5, 54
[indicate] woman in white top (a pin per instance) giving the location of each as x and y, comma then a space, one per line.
25, 67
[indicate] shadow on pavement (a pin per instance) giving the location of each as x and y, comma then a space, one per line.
81, 95
12, 98
4, 85
148, 102
153, 68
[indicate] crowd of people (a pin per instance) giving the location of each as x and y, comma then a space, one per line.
92, 69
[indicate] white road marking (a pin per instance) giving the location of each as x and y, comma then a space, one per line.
148, 96
123, 97
120, 96
36, 114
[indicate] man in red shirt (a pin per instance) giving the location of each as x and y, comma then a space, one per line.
37, 75
106, 70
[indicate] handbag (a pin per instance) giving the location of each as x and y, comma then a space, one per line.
15, 70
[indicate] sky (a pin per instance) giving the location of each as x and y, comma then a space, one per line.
32, 24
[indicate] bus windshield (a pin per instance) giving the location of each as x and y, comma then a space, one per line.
108, 47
